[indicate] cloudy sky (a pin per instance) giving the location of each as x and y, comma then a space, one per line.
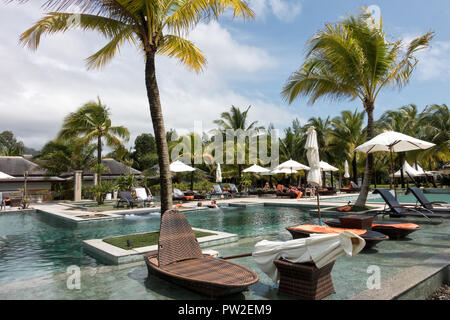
248, 63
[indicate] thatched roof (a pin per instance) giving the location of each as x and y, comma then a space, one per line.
114, 168
17, 166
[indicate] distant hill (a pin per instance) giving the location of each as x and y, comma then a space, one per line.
31, 151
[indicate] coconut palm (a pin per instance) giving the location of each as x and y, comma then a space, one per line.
353, 59
236, 120
92, 123
190, 148
154, 27
347, 134
404, 120
435, 125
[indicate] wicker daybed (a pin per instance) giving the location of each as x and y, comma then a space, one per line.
304, 231
180, 260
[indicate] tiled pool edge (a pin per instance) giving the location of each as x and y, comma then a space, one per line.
110, 254
415, 283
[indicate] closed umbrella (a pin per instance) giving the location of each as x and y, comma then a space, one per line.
312, 153
391, 141
218, 173
346, 174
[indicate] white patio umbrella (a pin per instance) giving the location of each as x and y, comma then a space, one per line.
292, 165
324, 166
391, 141
256, 169
312, 153
286, 171
179, 166
4, 176
218, 173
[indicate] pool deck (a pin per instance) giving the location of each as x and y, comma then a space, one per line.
68, 212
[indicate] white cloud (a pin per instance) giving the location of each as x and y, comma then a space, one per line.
40, 88
284, 10
434, 62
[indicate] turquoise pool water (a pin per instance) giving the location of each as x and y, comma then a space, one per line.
33, 244
402, 198
35, 251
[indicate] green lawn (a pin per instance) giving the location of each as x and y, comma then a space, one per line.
144, 239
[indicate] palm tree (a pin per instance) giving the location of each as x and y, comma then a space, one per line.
404, 120
435, 125
236, 120
154, 27
353, 59
347, 134
58, 156
187, 146
92, 122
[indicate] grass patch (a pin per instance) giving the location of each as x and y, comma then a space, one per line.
144, 239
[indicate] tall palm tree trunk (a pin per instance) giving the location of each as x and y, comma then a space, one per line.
354, 168
160, 132
99, 157
362, 198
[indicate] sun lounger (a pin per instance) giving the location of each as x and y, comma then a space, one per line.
327, 192
394, 230
217, 191
235, 192
304, 231
434, 207
352, 188
398, 210
142, 195
180, 260
125, 197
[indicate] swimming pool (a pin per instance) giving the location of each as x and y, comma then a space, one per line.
35, 251
34, 244
402, 198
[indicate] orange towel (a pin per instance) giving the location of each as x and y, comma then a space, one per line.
345, 209
299, 195
324, 229
399, 226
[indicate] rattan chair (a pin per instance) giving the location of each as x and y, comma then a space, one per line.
180, 260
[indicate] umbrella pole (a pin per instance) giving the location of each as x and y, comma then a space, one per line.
318, 206
393, 178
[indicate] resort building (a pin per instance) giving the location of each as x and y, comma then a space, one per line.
38, 182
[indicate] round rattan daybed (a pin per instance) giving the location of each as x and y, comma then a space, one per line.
304, 231
394, 230
180, 260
